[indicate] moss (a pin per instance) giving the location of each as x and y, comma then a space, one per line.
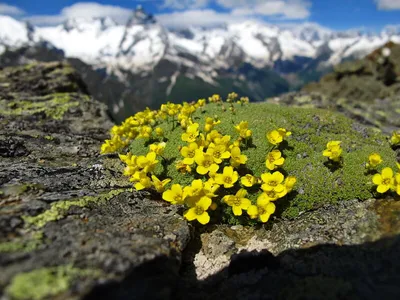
54, 106
45, 282
59, 209
49, 137
318, 183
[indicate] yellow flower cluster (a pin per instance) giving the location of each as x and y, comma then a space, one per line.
210, 152
333, 151
140, 168
215, 159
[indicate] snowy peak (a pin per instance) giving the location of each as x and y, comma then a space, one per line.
85, 24
140, 17
310, 32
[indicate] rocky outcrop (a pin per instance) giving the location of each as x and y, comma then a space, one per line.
70, 223
71, 227
366, 90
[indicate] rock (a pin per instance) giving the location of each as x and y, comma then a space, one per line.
366, 90
71, 226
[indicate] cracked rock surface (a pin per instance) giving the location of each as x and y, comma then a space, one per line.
70, 224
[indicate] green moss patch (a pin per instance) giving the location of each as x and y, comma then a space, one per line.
318, 183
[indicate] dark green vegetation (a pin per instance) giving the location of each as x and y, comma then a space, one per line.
318, 183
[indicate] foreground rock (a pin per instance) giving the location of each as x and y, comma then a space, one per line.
72, 228
69, 222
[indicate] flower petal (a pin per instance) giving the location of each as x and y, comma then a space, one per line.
204, 218
382, 188
377, 179
190, 214
237, 211
387, 173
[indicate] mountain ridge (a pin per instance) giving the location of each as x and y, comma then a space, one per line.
150, 59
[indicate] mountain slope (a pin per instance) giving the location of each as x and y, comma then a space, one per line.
149, 64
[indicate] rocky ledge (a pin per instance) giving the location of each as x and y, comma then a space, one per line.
71, 227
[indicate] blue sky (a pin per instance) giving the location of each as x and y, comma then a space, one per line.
335, 14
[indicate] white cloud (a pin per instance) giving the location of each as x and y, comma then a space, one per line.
204, 18
6, 9
388, 4
285, 9
85, 10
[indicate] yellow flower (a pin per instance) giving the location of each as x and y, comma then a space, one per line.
289, 183
248, 180
199, 211
244, 100
148, 162
373, 160
274, 159
275, 137
238, 202
158, 184
232, 97
159, 131
210, 123
262, 210
191, 133
227, 178
189, 152
397, 187
195, 189
144, 181
384, 181
243, 130
201, 102
218, 152
182, 167
204, 162
333, 150
210, 188
174, 195
237, 158
158, 148
395, 139
144, 131
273, 182
214, 98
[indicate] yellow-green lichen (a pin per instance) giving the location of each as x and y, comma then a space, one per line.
54, 106
59, 209
46, 282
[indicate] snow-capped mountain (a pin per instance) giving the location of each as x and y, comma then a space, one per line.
147, 57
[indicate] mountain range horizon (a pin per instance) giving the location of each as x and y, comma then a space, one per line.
151, 63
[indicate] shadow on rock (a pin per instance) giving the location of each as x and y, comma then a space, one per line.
367, 271
155, 279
